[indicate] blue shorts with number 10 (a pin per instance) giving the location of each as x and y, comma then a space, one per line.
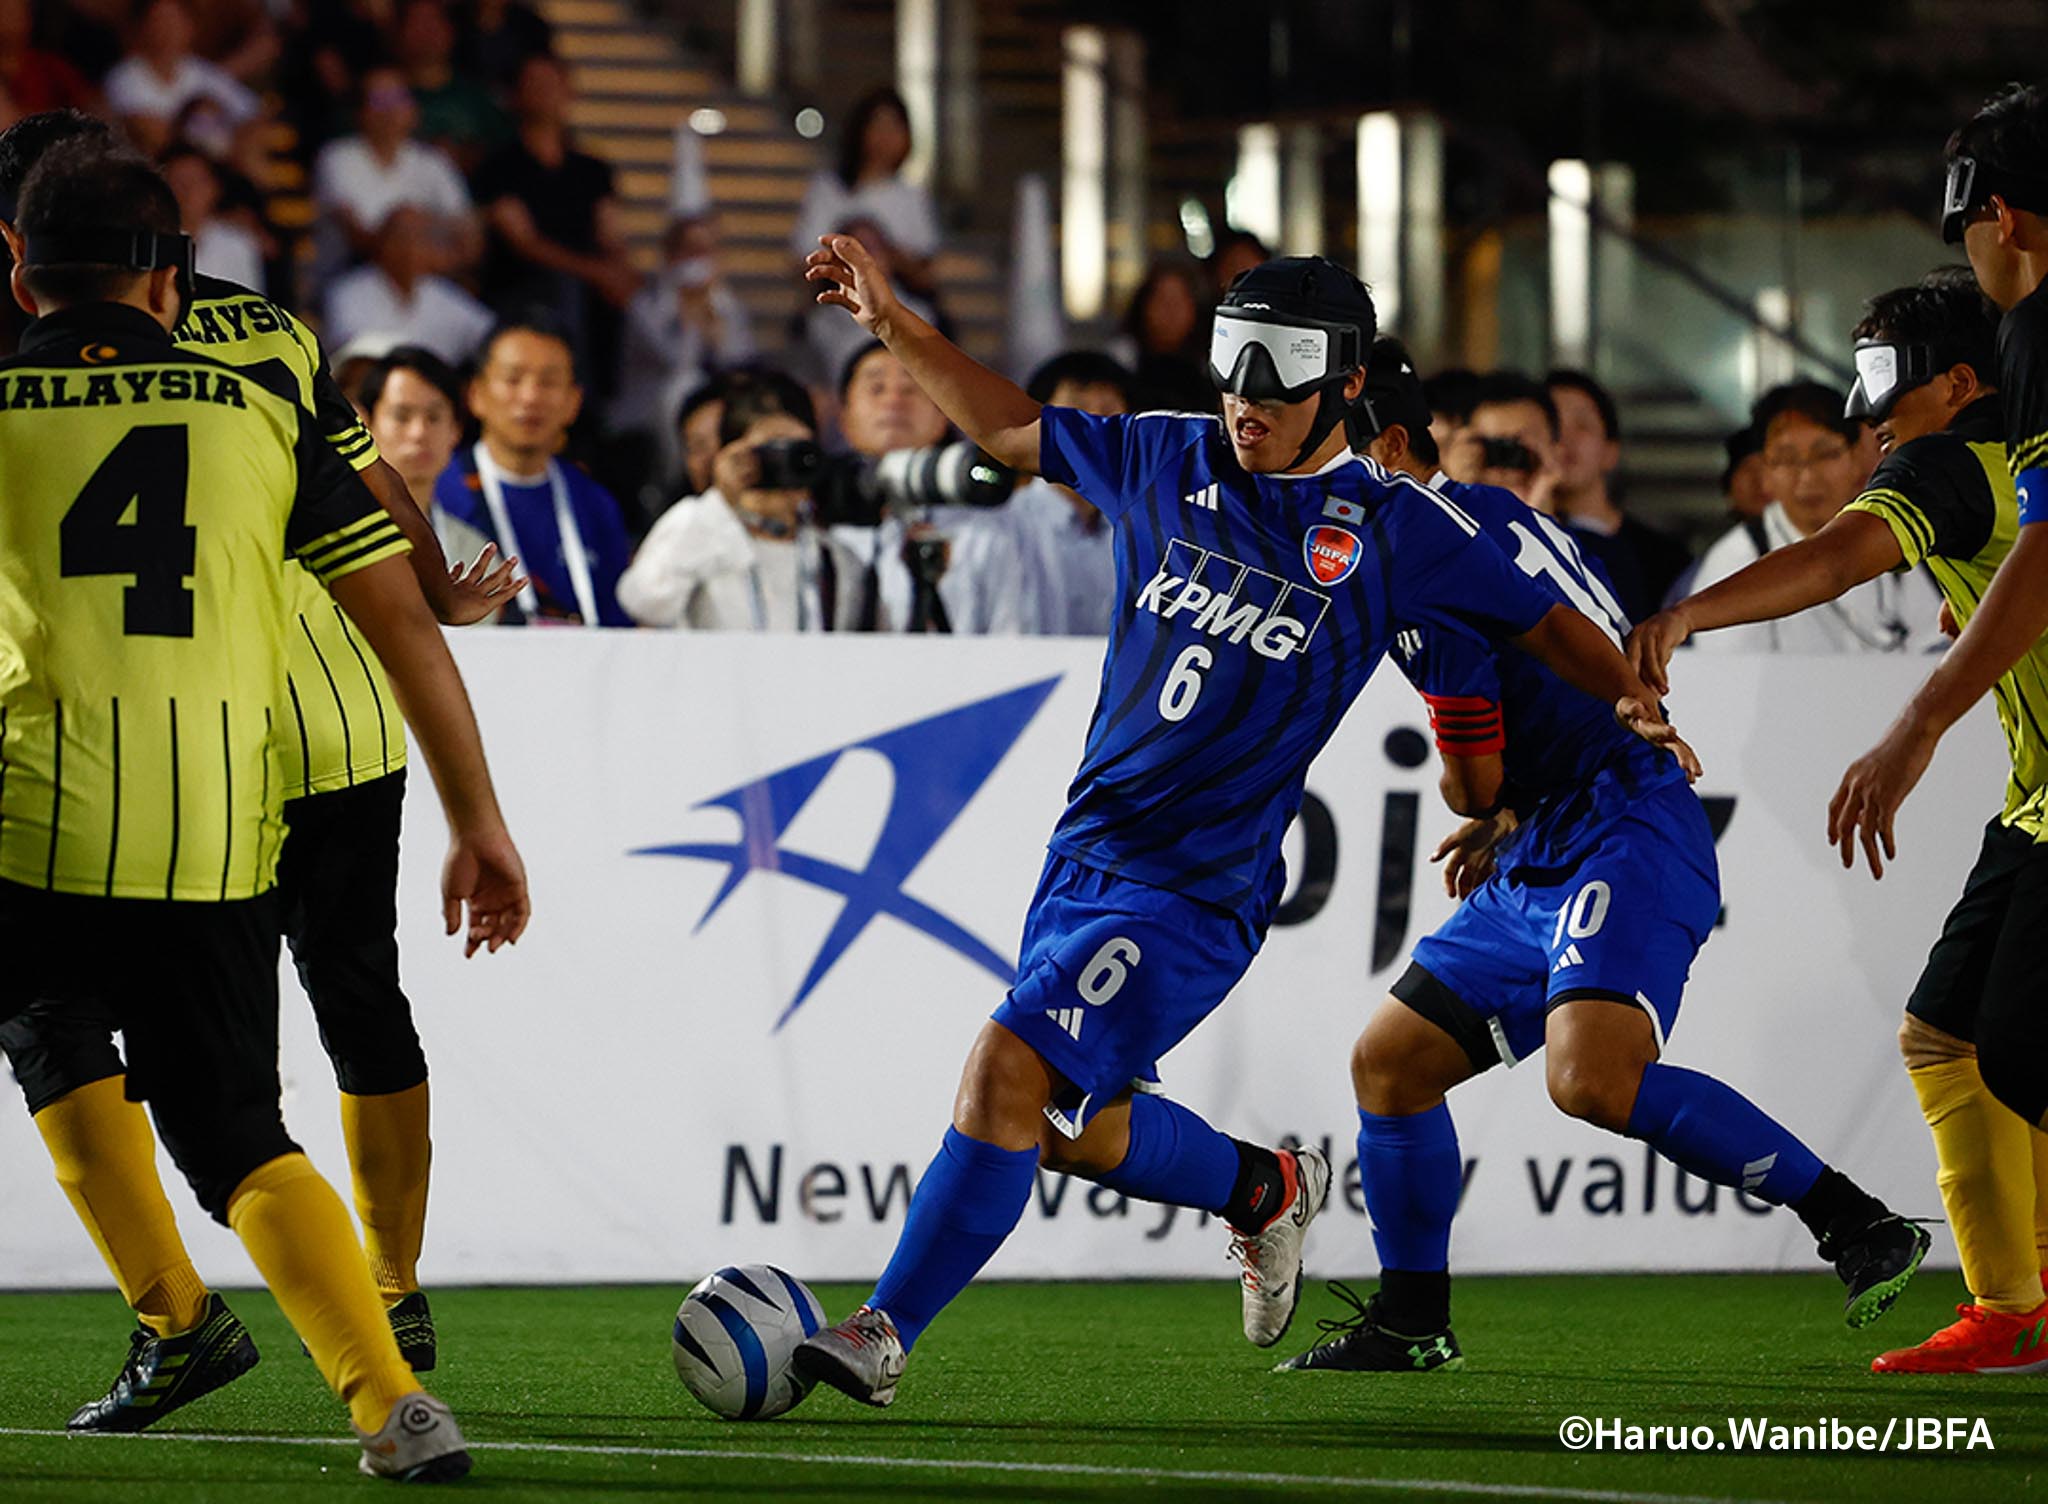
1114, 974
1610, 896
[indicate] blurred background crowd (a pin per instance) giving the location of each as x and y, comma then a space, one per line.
577, 324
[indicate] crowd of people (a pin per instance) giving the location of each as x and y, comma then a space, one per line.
470, 279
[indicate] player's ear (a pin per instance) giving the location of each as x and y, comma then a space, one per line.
13, 238
17, 283
163, 295
1354, 384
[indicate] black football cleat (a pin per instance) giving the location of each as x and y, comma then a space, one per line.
162, 1374
1361, 1343
1875, 1261
413, 1325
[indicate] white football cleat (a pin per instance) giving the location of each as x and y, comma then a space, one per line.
1272, 1258
419, 1444
862, 1357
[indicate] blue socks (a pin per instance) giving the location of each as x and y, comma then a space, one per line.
1175, 1158
1712, 1131
966, 1205
1413, 1176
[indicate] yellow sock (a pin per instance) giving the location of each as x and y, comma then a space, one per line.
105, 1158
2041, 1197
1987, 1183
388, 1155
299, 1235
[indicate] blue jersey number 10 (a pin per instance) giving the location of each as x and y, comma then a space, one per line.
1550, 554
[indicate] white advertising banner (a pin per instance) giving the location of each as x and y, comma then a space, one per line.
779, 884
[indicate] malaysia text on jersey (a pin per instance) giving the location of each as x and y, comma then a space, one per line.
340, 723
155, 500
1247, 620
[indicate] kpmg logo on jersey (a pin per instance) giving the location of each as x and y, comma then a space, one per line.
939, 764
1331, 553
1232, 602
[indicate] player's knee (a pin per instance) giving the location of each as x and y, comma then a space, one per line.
1004, 1088
1593, 1091
217, 1152
1921, 1045
376, 1062
1400, 1063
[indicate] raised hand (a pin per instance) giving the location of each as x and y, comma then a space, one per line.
846, 274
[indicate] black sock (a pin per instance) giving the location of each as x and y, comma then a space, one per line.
1415, 1303
1260, 1191
1837, 1204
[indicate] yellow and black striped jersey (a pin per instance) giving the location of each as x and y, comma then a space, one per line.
2023, 395
341, 724
155, 502
1948, 498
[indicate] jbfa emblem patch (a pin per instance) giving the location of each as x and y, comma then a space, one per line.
1331, 553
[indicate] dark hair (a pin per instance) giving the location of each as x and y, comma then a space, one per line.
853, 136
853, 365
84, 184
1084, 368
757, 393
2008, 136
1952, 316
1814, 400
701, 396
1601, 398
1396, 395
1740, 445
529, 320
1450, 392
423, 363
23, 143
1133, 322
1513, 386
1232, 238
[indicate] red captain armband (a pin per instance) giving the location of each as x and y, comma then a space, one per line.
1466, 725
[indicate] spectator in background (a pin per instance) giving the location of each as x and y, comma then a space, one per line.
832, 340
743, 555
400, 294
500, 35
32, 80
1508, 439
225, 245
412, 404
866, 184
1165, 341
1066, 562
1816, 462
1450, 395
697, 422
681, 328
359, 180
1237, 251
513, 489
458, 112
340, 42
152, 86
554, 220
1745, 484
1642, 562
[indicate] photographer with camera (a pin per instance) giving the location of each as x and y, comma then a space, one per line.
745, 555
1509, 440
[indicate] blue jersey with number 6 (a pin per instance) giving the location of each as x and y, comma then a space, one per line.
1250, 611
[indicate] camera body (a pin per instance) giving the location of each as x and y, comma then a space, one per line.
856, 490
1507, 454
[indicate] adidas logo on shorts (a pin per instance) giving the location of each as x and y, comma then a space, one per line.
1068, 1019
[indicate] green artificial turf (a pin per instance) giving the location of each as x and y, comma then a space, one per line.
1150, 1382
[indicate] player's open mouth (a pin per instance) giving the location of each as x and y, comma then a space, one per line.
1250, 432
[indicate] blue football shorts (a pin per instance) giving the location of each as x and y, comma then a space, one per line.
1617, 910
1113, 974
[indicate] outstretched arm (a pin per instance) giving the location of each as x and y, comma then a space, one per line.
2009, 621
458, 596
1567, 642
1851, 549
990, 410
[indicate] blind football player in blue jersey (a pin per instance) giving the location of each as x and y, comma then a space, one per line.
1263, 571
1587, 873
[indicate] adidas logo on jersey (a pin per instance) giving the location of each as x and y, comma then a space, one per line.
1231, 600
1068, 1019
1408, 644
1571, 957
1206, 498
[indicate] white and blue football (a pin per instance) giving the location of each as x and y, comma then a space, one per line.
734, 1335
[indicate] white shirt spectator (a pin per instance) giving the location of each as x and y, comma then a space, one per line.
902, 210
348, 175
665, 358
438, 315
700, 568
1894, 613
1067, 564
229, 251
135, 88
983, 586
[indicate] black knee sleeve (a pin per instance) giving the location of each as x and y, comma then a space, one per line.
56, 1049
